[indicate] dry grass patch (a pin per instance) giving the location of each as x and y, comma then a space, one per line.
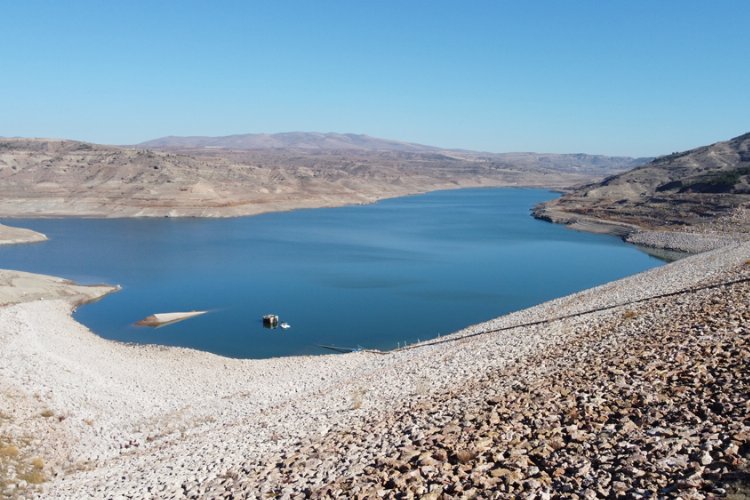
15, 467
34, 474
8, 451
629, 314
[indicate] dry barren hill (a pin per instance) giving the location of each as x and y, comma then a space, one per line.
287, 140
42, 177
687, 188
310, 142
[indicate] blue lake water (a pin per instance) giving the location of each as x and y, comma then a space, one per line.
372, 276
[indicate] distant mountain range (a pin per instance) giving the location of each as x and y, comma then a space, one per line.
249, 174
329, 141
288, 140
681, 188
314, 142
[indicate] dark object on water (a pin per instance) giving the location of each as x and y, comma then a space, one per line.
270, 321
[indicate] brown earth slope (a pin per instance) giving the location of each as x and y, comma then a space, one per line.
681, 189
42, 178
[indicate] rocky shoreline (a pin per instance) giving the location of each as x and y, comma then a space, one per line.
684, 241
689, 239
692, 202
630, 396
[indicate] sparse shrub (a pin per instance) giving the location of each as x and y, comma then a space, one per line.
8, 451
629, 314
33, 476
32, 473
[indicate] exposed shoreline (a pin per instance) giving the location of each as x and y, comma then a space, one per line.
250, 208
689, 239
10, 235
86, 416
108, 418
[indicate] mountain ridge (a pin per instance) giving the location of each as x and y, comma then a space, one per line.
680, 189
330, 141
52, 178
287, 140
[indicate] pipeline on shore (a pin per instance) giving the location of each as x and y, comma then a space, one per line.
566, 316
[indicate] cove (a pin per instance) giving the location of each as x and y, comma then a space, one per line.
373, 276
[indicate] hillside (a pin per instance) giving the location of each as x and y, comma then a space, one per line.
691, 188
287, 140
316, 142
41, 177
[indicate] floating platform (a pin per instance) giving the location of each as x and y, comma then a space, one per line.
162, 319
270, 321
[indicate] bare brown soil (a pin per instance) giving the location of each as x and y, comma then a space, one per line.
46, 178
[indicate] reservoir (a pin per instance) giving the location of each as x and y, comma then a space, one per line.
373, 276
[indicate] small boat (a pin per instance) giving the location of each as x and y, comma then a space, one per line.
270, 320
285, 325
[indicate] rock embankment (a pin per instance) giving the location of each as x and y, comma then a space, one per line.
704, 236
700, 236
650, 400
618, 394
625, 408
688, 242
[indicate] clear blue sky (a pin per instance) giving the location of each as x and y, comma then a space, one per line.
635, 77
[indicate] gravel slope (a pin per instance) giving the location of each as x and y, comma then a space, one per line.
91, 418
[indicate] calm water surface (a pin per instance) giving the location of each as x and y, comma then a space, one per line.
372, 276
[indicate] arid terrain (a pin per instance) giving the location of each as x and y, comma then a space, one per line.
692, 189
13, 235
48, 178
635, 389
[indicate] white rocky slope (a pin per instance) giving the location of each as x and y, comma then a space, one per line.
88, 417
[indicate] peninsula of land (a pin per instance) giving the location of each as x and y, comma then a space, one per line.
13, 235
691, 201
